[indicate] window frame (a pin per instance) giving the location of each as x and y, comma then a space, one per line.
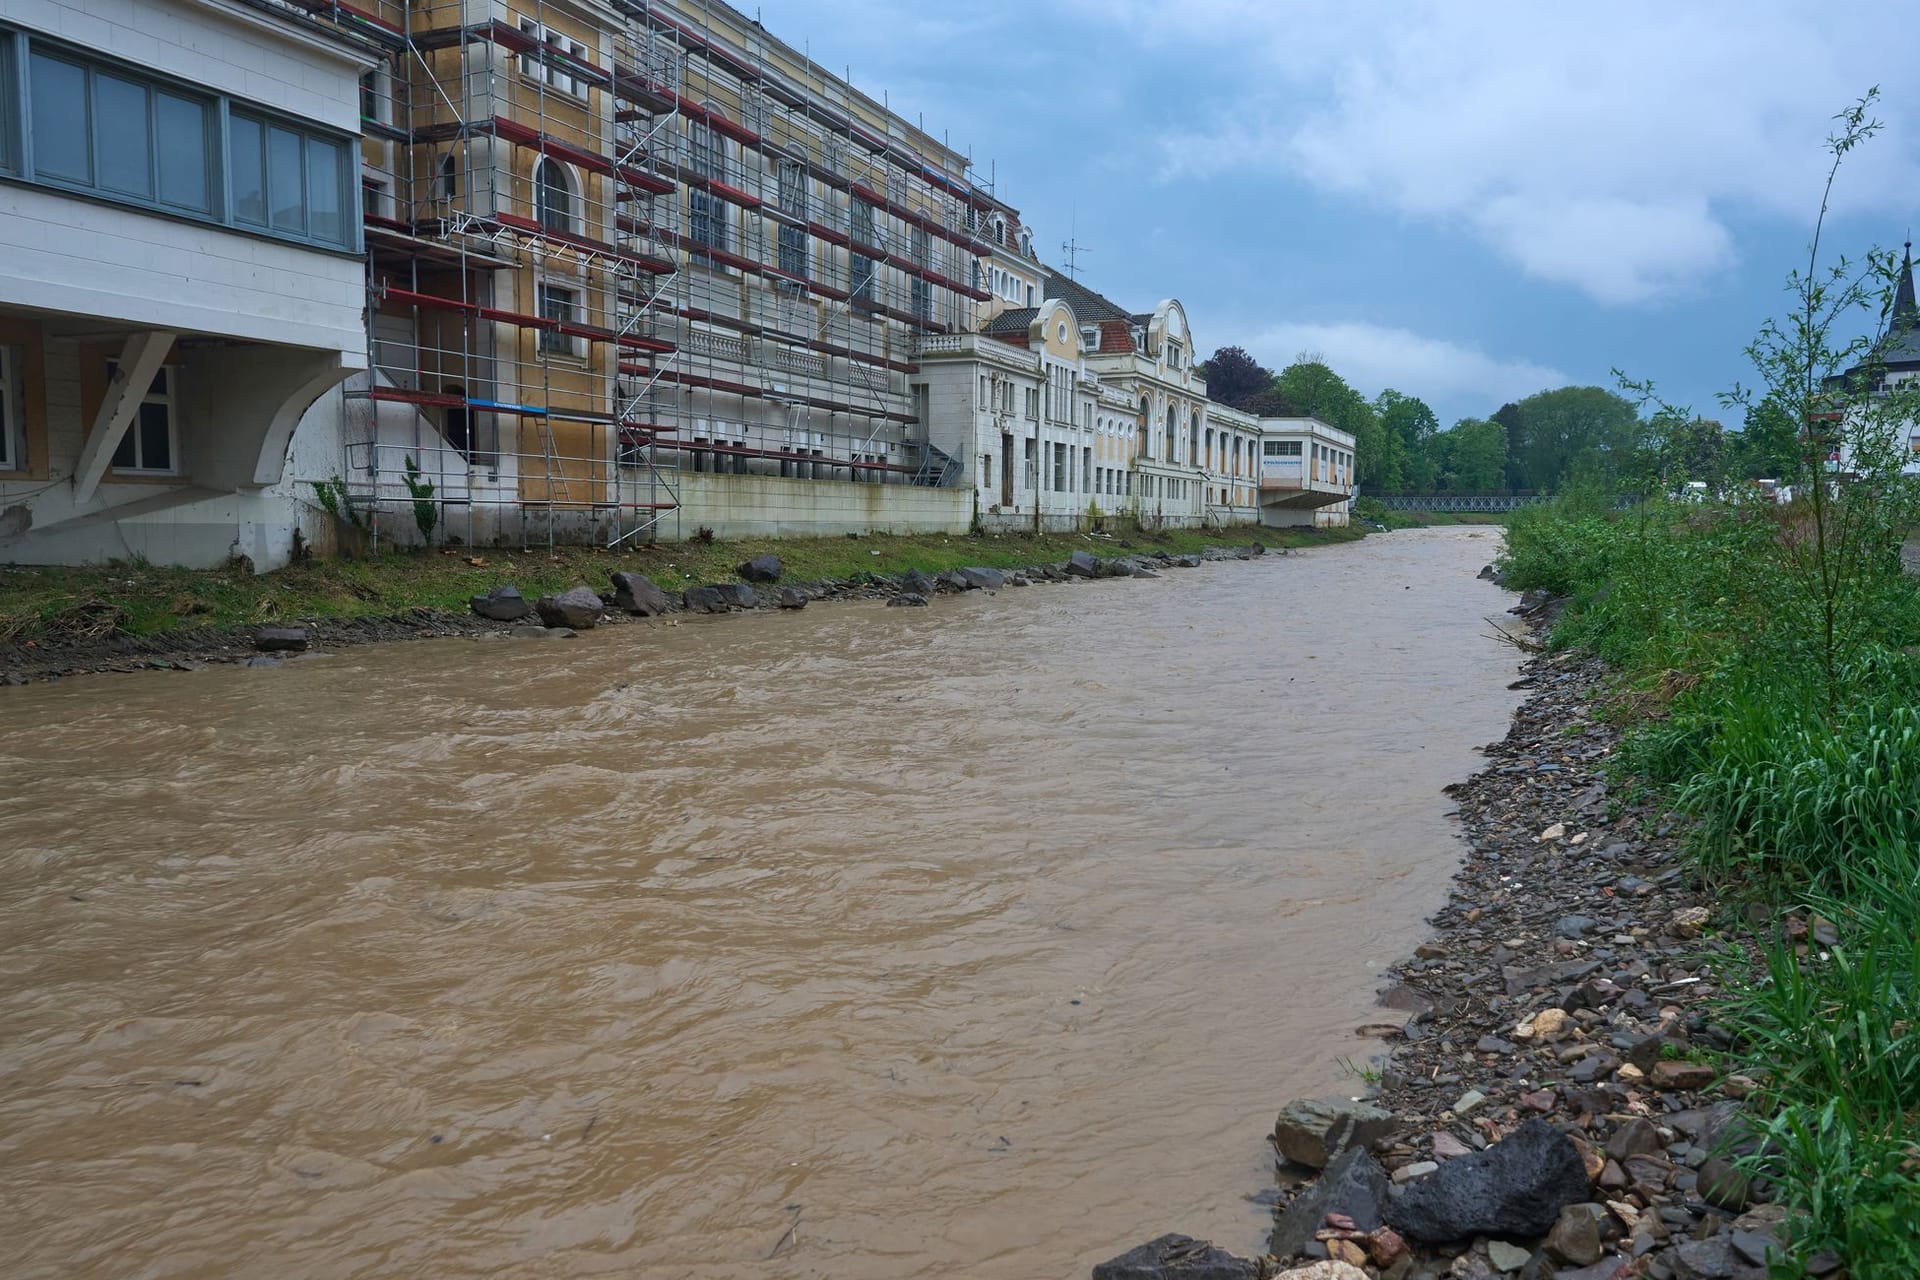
13, 411
20, 45
552, 342
169, 376
568, 186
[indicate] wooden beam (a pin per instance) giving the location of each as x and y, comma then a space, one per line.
140, 359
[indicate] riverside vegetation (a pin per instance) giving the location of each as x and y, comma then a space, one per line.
1767, 660
1727, 1035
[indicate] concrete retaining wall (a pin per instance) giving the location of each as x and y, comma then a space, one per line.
771, 506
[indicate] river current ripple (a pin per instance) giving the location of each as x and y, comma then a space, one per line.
974, 941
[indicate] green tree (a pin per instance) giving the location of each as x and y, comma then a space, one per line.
1409, 426
1471, 457
1588, 430
1768, 443
1509, 419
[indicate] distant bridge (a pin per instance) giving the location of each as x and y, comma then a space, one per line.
1450, 502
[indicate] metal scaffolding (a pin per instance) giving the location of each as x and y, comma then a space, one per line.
602, 256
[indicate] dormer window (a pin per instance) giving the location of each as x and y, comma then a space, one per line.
1090, 337
1173, 354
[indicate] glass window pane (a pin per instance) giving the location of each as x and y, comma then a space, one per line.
59, 106
246, 169
287, 199
183, 152
156, 445
9, 159
122, 135
124, 458
324, 197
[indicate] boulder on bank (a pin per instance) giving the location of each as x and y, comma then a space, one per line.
908, 600
761, 569
280, 639
1354, 1185
1177, 1257
719, 597
1185, 562
984, 579
952, 582
792, 598
1516, 1187
637, 594
502, 604
1117, 567
1312, 1131
576, 607
1083, 564
916, 583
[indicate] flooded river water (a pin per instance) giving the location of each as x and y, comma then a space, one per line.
975, 941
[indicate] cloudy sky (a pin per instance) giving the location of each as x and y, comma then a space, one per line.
1464, 199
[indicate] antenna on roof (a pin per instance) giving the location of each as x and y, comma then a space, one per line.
1072, 248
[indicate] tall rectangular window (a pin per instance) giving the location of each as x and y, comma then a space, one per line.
862, 225
122, 140
61, 132
922, 299
1059, 468
793, 188
181, 134
286, 193
862, 271
11, 426
793, 250
326, 191
9, 125
1086, 469
149, 442
562, 305
247, 169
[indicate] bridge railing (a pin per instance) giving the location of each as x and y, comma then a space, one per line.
1456, 502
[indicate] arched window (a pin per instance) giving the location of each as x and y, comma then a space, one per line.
1193, 437
1209, 454
553, 195
1146, 416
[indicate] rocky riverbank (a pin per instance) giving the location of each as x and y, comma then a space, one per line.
99, 645
1550, 1108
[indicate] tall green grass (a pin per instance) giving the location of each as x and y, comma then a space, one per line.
1796, 750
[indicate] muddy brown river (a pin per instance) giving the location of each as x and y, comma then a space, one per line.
979, 941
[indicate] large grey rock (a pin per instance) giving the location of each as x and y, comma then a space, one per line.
502, 604
1118, 567
1354, 1184
280, 639
952, 582
1177, 1257
1516, 1187
761, 569
1185, 562
1315, 1130
792, 598
984, 579
908, 600
576, 607
737, 594
704, 600
636, 594
916, 583
1083, 564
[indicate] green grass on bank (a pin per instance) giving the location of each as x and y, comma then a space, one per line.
41, 605
1770, 679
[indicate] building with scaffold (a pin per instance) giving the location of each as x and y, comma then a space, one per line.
616, 271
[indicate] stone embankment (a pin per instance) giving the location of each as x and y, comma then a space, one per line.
1549, 1108
628, 596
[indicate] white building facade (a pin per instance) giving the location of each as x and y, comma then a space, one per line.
182, 278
